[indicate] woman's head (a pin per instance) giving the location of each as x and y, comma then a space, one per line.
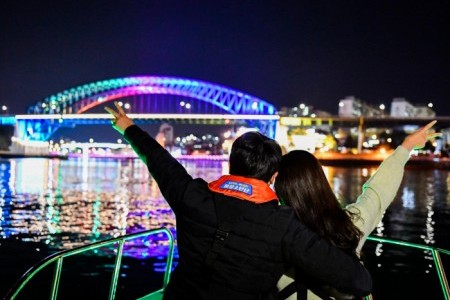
302, 184
301, 180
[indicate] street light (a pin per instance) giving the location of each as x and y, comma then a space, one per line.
382, 107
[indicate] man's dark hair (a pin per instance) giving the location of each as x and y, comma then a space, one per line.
255, 155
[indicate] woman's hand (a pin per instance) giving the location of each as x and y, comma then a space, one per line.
417, 139
121, 120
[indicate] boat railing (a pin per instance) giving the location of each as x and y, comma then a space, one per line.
118, 242
57, 259
436, 252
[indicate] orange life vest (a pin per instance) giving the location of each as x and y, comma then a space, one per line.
244, 188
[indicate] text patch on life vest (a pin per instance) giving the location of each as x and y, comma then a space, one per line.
237, 186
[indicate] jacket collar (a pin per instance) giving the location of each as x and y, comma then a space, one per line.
244, 188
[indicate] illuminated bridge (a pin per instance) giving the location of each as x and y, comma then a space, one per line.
147, 99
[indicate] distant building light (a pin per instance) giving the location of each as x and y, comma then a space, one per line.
227, 134
127, 106
430, 105
119, 141
182, 103
302, 106
4, 107
254, 105
341, 104
91, 140
188, 105
382, 106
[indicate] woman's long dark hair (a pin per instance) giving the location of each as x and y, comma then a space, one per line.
301, 184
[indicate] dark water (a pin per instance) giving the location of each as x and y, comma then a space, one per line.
50, 205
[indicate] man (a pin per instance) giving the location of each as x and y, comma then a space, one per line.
234, 240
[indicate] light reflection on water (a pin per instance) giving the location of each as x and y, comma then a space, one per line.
419, 214
422, 204
68, 203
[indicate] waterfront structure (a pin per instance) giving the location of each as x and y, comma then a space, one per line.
151, 95
164, 100
166, 133
402, 108
351, 106
424, 111
302, 110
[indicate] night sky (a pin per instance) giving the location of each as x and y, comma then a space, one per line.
285, 52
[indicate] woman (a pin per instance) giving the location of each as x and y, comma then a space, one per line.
301, 184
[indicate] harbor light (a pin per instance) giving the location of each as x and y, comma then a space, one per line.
227, 134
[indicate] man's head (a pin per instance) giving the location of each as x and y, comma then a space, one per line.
255, 155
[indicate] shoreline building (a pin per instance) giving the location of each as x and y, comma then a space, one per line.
351, 106
400, 107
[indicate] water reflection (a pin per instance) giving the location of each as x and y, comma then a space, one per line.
408, 199
65, 204
69, 203
412, 215
429, 223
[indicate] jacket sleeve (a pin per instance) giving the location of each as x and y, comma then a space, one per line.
168, 173
379, 192
327, 264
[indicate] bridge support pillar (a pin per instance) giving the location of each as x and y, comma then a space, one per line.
360, 134
35, 130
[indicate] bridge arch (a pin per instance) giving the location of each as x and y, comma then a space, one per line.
78, 105
80, 99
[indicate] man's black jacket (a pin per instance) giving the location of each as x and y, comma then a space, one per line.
265, 241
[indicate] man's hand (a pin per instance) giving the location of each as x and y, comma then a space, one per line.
417, 139
121, 120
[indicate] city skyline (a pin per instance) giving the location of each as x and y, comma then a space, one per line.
286, 53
